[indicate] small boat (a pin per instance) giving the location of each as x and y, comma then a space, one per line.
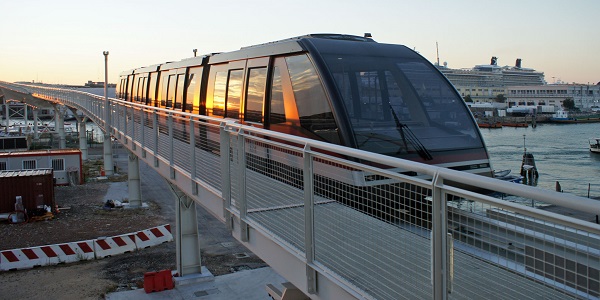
595, 145
514, 124
562, 116
501, 173
490, 125
506, 176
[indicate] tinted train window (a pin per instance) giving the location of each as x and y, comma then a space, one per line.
192, 101
130, 88
234, 93
179, 92
218, 107
277, 107
388, 98
313, 107
152, 88
138, 89
257, 81
163, 92
145, 90
171, 90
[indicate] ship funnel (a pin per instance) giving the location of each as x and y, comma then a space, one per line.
518, 63
494, 61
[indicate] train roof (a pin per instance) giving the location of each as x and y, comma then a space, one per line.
285, 46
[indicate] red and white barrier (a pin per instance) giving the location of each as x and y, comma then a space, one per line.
26, 258
153, 236
114, 245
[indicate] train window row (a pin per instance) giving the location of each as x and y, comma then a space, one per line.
283, 94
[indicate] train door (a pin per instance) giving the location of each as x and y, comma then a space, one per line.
130, 88
255, 92
177, 85
192, 90
152, 94
223, 98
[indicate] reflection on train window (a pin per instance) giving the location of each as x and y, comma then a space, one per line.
152, 88
313, 106
171, 90
257, 80
179, 92
218, 107
192, 100
234, 93
277, 108
144, 94
388, 99
163, 92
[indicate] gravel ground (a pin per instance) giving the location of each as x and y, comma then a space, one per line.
85, 219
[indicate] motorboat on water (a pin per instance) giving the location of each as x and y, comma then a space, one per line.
562, 116
507, 176
595, 145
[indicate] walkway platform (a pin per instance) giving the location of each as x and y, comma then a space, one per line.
248, 285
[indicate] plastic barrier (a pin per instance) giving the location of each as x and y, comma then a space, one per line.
158, 281
26, 258
108, 246
153, 236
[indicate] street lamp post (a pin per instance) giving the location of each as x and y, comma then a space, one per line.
108, 162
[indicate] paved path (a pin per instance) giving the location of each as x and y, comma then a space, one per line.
215, 241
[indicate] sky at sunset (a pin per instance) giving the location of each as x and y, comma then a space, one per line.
62, 41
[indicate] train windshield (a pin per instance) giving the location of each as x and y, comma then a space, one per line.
397, 103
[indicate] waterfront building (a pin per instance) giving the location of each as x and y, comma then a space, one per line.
586, 97
483, 83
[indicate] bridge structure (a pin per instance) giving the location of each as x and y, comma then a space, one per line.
340, 223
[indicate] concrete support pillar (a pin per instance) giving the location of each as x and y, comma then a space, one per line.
6, 115
82, 134
187, 238
135, 184
25, 117
59, 121
36, 134
108, 155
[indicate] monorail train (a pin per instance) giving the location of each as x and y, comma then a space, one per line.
342, 89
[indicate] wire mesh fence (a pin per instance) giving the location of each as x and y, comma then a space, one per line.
377, 224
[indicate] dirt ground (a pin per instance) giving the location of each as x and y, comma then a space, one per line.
86, 219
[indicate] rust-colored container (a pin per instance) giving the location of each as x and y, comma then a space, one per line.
36, 188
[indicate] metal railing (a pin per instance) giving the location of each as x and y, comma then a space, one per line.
355, 219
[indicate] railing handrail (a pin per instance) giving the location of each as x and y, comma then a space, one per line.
439, 181
551, 197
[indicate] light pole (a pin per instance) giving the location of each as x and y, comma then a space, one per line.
108, 163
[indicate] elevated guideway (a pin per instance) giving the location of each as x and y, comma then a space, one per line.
340, 223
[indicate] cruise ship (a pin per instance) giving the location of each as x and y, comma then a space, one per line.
484, 82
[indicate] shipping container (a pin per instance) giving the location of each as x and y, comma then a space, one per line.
66, 163
36, 188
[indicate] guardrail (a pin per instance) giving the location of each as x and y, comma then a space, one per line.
357, 219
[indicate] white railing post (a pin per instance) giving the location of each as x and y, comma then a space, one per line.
125, 123
155, 122
309, 220
143, 132
439, 259
224, 140
241, 195
193, 156
132, 136
171, 143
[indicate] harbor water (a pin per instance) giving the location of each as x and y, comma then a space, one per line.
561, 154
